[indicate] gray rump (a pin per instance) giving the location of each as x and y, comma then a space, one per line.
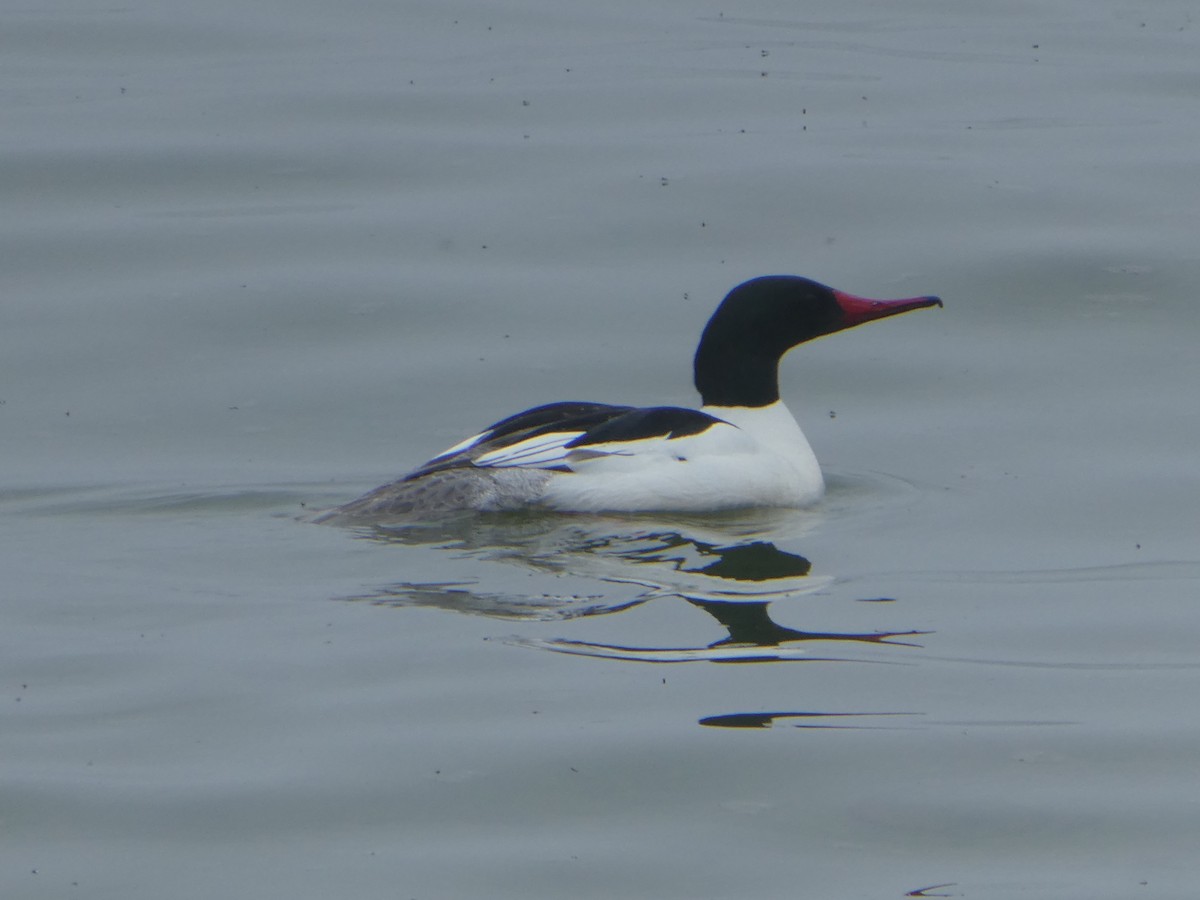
444, 491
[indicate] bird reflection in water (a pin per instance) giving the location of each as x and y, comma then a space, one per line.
795, 720
725, 566
730, 567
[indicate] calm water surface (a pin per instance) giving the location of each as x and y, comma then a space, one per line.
262, 258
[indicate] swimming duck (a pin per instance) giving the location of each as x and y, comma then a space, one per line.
741, 448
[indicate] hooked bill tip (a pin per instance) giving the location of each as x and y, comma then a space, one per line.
856, 310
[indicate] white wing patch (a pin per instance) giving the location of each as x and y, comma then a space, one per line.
720, 439
545, 451
548, 451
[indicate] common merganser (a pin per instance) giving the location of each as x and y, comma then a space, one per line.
742, 448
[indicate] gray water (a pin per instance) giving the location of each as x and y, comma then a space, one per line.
260, 258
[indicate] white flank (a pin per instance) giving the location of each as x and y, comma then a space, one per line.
754, 457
